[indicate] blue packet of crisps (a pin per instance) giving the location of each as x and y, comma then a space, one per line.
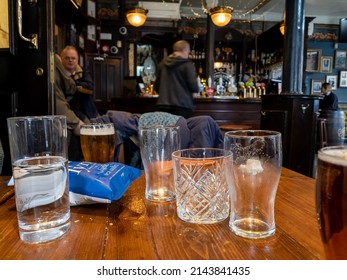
91, 183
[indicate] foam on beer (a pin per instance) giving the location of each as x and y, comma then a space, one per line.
99, 131
338, 157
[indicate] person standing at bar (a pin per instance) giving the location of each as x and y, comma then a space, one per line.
330, 100
176, 82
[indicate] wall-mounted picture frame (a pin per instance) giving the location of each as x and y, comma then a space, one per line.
81, 41
73, 34
327, 32
332, 80
91, 33
81, 61
316, 85
313, 60
91, 8
326, 65
4, 26
343, 79
340, 59
7, 30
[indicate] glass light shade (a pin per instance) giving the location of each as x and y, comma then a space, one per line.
137, 16
221, 16
217, 65
282, 28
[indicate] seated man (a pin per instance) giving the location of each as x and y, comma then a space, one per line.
65, 89
73, 97
330, 100
83, 101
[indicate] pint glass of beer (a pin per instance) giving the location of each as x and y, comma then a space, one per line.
98, 142
331, 200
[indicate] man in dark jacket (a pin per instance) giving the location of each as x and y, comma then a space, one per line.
83, 101
65, 89
176, 82
74, 97
330, 100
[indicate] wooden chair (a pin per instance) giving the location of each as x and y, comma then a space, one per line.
322, 133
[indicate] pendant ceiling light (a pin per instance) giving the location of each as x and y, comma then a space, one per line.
282, 25
282, 28
137, 16
221, 16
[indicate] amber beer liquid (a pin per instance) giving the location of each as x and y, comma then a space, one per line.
331, 200
98, 142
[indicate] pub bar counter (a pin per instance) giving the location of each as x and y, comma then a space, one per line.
135, 228
223, 110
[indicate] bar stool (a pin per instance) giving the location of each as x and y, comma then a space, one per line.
322, 133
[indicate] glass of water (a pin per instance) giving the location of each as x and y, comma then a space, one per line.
40, 170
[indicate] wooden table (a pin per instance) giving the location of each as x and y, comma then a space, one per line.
134, 228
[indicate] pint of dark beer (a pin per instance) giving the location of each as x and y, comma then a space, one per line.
331, 200
98, 142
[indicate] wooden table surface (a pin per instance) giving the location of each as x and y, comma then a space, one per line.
134, 228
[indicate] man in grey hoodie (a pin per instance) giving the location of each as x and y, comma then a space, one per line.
176, 82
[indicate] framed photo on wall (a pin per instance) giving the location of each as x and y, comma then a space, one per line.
313, 60
326, 64
332, 80
7, 30
91, 33
340, 59
343, 78
81, 61
91, 8
316, 85
81, 41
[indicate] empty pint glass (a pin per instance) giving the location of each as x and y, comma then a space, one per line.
157, 143
331, 200
98, 142
257, 163
39, 162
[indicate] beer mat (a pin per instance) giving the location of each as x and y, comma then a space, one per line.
6, 192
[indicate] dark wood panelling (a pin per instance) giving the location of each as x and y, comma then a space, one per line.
107, 73
295, 116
